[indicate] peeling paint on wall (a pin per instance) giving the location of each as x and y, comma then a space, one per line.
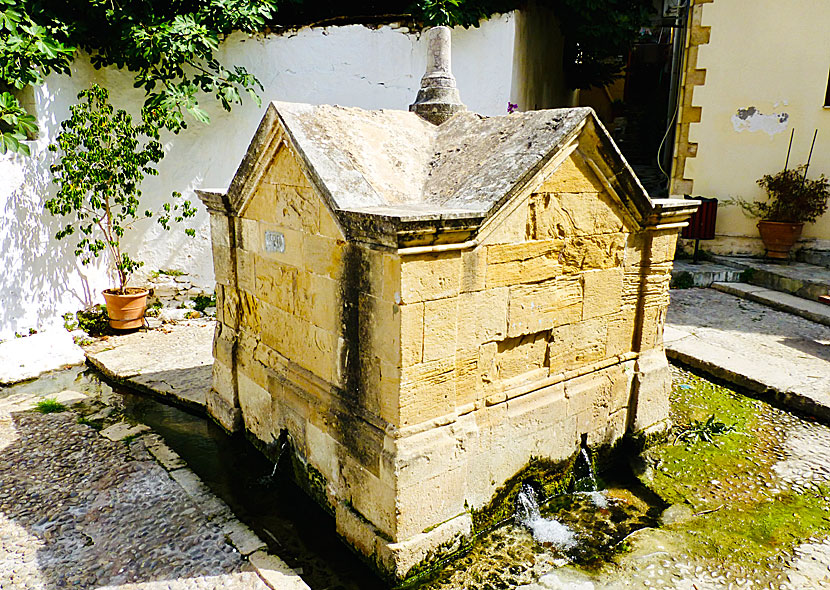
751, 119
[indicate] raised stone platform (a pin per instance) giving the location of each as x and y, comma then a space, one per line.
809, 281
173, 362
771, 353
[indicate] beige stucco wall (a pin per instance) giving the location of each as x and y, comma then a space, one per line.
766, 54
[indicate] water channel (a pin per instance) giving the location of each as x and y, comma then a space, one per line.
595, 532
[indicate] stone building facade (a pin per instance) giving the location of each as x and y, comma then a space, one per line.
426, 309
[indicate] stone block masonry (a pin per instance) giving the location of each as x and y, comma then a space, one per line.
420, 344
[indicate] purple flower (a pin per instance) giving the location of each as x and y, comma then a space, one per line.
512, 107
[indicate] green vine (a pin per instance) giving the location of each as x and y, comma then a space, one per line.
170, 46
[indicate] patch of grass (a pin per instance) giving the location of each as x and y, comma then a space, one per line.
202, 302
49, 406
169, 273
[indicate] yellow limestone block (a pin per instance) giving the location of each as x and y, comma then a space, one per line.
591, 213
275, 283
525, 262
482, 317
543, 306
285, 170
602, 292
427, 391
577, 345
412, 333
573, 176
440, 325
430, 276
517, 356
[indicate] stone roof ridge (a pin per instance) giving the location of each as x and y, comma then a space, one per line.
393, 160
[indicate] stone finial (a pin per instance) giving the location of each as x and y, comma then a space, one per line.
438, 98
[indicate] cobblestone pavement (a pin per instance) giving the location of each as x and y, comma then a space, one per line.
80, 511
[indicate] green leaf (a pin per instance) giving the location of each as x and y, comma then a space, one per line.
199, 114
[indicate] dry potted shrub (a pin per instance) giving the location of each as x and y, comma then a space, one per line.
792, 200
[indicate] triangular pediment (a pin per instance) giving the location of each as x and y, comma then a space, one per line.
394, 165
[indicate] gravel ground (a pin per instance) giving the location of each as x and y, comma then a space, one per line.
80, 511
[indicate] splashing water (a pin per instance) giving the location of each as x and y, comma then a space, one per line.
585, 481
545, 530
599, 498
277, 460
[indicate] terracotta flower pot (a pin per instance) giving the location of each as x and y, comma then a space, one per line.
126, 312
779, 237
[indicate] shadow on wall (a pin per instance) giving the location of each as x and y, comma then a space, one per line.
39, 274
96, 517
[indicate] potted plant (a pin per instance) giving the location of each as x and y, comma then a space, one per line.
103, 158
792, 201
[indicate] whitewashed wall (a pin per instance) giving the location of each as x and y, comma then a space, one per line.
352, 65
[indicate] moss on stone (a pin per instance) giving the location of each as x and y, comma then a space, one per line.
679, 471
548, 477
755, 534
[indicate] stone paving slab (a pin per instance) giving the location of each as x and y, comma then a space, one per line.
174, 361
798, 278
816, 312
769, 352
26, 358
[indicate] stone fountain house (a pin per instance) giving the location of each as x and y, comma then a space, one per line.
427, 302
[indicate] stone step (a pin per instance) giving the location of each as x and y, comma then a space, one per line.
808, 281
816, 257
810, 310
687, 274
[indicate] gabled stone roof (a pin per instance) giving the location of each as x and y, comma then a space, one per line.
393, 163
393, 166
397, 164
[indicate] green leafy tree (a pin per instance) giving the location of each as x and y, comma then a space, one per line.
28, 51
104, 158
169, 46
15, 124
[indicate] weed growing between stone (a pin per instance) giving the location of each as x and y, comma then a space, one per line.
754, 495
49, 406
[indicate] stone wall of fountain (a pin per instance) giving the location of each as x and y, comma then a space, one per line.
428, 308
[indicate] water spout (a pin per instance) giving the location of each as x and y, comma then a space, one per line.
286, 441
584, 478
545, 530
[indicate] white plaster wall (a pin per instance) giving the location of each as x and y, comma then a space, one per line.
352, 65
